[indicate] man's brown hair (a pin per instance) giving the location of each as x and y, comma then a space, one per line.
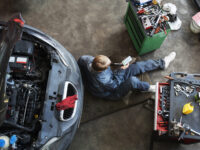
101, 63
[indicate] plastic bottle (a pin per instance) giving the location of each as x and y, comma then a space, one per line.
13, 140
194, 27
4, 142
188, 108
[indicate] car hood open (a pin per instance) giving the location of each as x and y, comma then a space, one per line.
9, 35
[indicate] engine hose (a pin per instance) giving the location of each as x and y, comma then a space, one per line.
26, 105
20, 126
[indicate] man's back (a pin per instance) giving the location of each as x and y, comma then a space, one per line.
97, 82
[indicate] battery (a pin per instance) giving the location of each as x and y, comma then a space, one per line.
19, 63
24, 48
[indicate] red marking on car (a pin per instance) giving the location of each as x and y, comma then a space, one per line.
67, 103
19, 21
21, 60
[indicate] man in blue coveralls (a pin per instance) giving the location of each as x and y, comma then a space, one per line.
102, 82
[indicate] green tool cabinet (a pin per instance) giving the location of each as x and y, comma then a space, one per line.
142, 42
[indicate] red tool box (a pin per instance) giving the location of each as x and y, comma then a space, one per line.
170, 97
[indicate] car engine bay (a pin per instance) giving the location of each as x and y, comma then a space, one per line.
27, 76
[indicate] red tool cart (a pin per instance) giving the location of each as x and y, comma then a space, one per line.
169, 121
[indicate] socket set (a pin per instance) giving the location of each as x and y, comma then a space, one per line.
164, 102
162, 106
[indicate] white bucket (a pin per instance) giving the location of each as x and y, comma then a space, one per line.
194, 27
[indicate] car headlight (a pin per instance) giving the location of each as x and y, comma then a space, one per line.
48, 144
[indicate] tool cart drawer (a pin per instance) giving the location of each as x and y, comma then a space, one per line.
161, 116
142, 42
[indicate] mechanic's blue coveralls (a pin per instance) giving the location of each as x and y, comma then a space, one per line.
116, 84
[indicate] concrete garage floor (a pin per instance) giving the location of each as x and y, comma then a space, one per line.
96, 27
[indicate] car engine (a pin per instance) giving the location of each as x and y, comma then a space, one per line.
27, 76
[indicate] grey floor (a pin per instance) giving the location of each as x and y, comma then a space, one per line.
96, 27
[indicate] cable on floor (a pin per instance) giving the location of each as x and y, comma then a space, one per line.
118, 110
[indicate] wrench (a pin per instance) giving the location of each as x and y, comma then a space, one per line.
178, 89
187, 95
188, 128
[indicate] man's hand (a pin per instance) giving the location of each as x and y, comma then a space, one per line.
124, 67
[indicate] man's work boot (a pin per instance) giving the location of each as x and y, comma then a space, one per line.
168, 59
152, 88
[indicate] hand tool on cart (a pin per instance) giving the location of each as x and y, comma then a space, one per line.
164, 28
157, 29
168, 77
197, 98
186, 128
141, 11
178, 88
180, 129
155, 25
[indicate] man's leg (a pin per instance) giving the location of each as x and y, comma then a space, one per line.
130, 84
145, 66
139, 68
149, 65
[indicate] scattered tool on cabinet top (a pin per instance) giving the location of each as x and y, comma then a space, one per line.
177, 108
154, 16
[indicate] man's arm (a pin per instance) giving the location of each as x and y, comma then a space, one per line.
108, 84
83, 63
85, 60
125, 67
111, 85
